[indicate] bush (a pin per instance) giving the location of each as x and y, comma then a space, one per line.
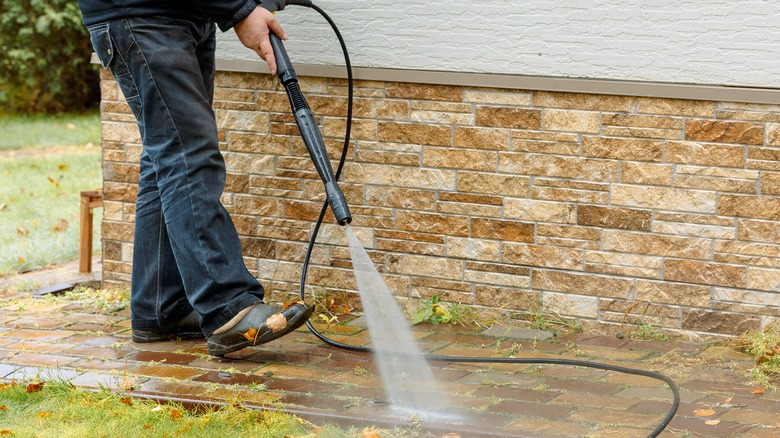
45, 63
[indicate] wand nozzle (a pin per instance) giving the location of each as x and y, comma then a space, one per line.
307, 124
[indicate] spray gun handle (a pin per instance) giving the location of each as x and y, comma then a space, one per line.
310, 132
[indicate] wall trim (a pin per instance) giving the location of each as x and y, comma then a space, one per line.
722, 93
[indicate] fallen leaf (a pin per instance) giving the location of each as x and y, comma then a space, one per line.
53, 181
147, 426
728, 400
712, 422
61, 226
70, 126
451, 435
6, 432
21, 260
703, 412
758, 391
157, 408
35, 387
291, 303
22, 231
126, 400
250, 334
176, 414
63, 166
276, 322
3, 206
3, 408
43, 414
369, 433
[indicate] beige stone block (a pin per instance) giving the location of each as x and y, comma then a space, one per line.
770, 183
646, 173
424, 266
507, 297
398, 176
120, 172
570, 305
621, 259
415, 133
236, 183
570, 120
481, 138
713, 274
559, 137
497, 279
385, 157
381, 109
120, 132
675, 107
493, 184
673, 293
546, 147
493, 96
562, 167
724, 132
701, 219
259, 206
622, 271
234, 95
471, 199
649, 133
571, 243
469, 209
253, 121
664, 198
472, 249
718, 322
448, 107
113, 211
687, 152
612, 217
502, 230
568, 232
402, 90
756, 207
249, 163
432, 223
764, 279
748, 248
749, 297
569, 195
441, 117
250, 81
760, 231
410, 247
641, 121
119, 191
592, 102
622, 149
503, 117
694, 230
118, 231
582, 284
773, 134
542, 256
337, 128
485, 161
259, 143
401, 198
539, 211
653, 244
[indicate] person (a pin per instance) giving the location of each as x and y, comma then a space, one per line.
188, 280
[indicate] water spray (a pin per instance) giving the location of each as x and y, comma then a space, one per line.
335, 199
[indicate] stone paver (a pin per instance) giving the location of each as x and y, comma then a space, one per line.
325, 385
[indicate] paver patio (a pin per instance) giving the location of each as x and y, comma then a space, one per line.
300, 374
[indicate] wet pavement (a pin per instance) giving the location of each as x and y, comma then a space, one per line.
89, 344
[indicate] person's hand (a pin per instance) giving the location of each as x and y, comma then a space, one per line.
253, 33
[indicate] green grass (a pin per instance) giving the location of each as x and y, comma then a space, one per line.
57, 409
39, 206
44, 131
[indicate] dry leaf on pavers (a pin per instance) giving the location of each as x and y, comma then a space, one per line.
291, 303
703, 412
53, 181
62, 225
251, 334
758, 391
35, 387
712, 422
369, 433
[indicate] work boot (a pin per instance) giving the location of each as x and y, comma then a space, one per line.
187, 328
259, 324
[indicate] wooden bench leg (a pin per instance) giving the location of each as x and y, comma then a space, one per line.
89, 200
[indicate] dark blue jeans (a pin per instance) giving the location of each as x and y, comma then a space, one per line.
186, 253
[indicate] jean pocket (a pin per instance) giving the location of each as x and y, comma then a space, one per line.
100, 37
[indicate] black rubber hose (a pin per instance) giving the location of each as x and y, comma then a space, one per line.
511, 360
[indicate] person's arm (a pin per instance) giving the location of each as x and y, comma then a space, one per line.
251, 23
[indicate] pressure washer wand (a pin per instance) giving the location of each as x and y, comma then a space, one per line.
310, 132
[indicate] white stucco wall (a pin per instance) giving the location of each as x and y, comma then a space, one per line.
720, 42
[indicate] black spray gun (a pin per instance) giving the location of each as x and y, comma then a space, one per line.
306, 122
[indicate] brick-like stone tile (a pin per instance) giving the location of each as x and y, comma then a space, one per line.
175, 372
162, 357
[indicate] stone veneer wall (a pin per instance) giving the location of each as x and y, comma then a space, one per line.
605, 209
